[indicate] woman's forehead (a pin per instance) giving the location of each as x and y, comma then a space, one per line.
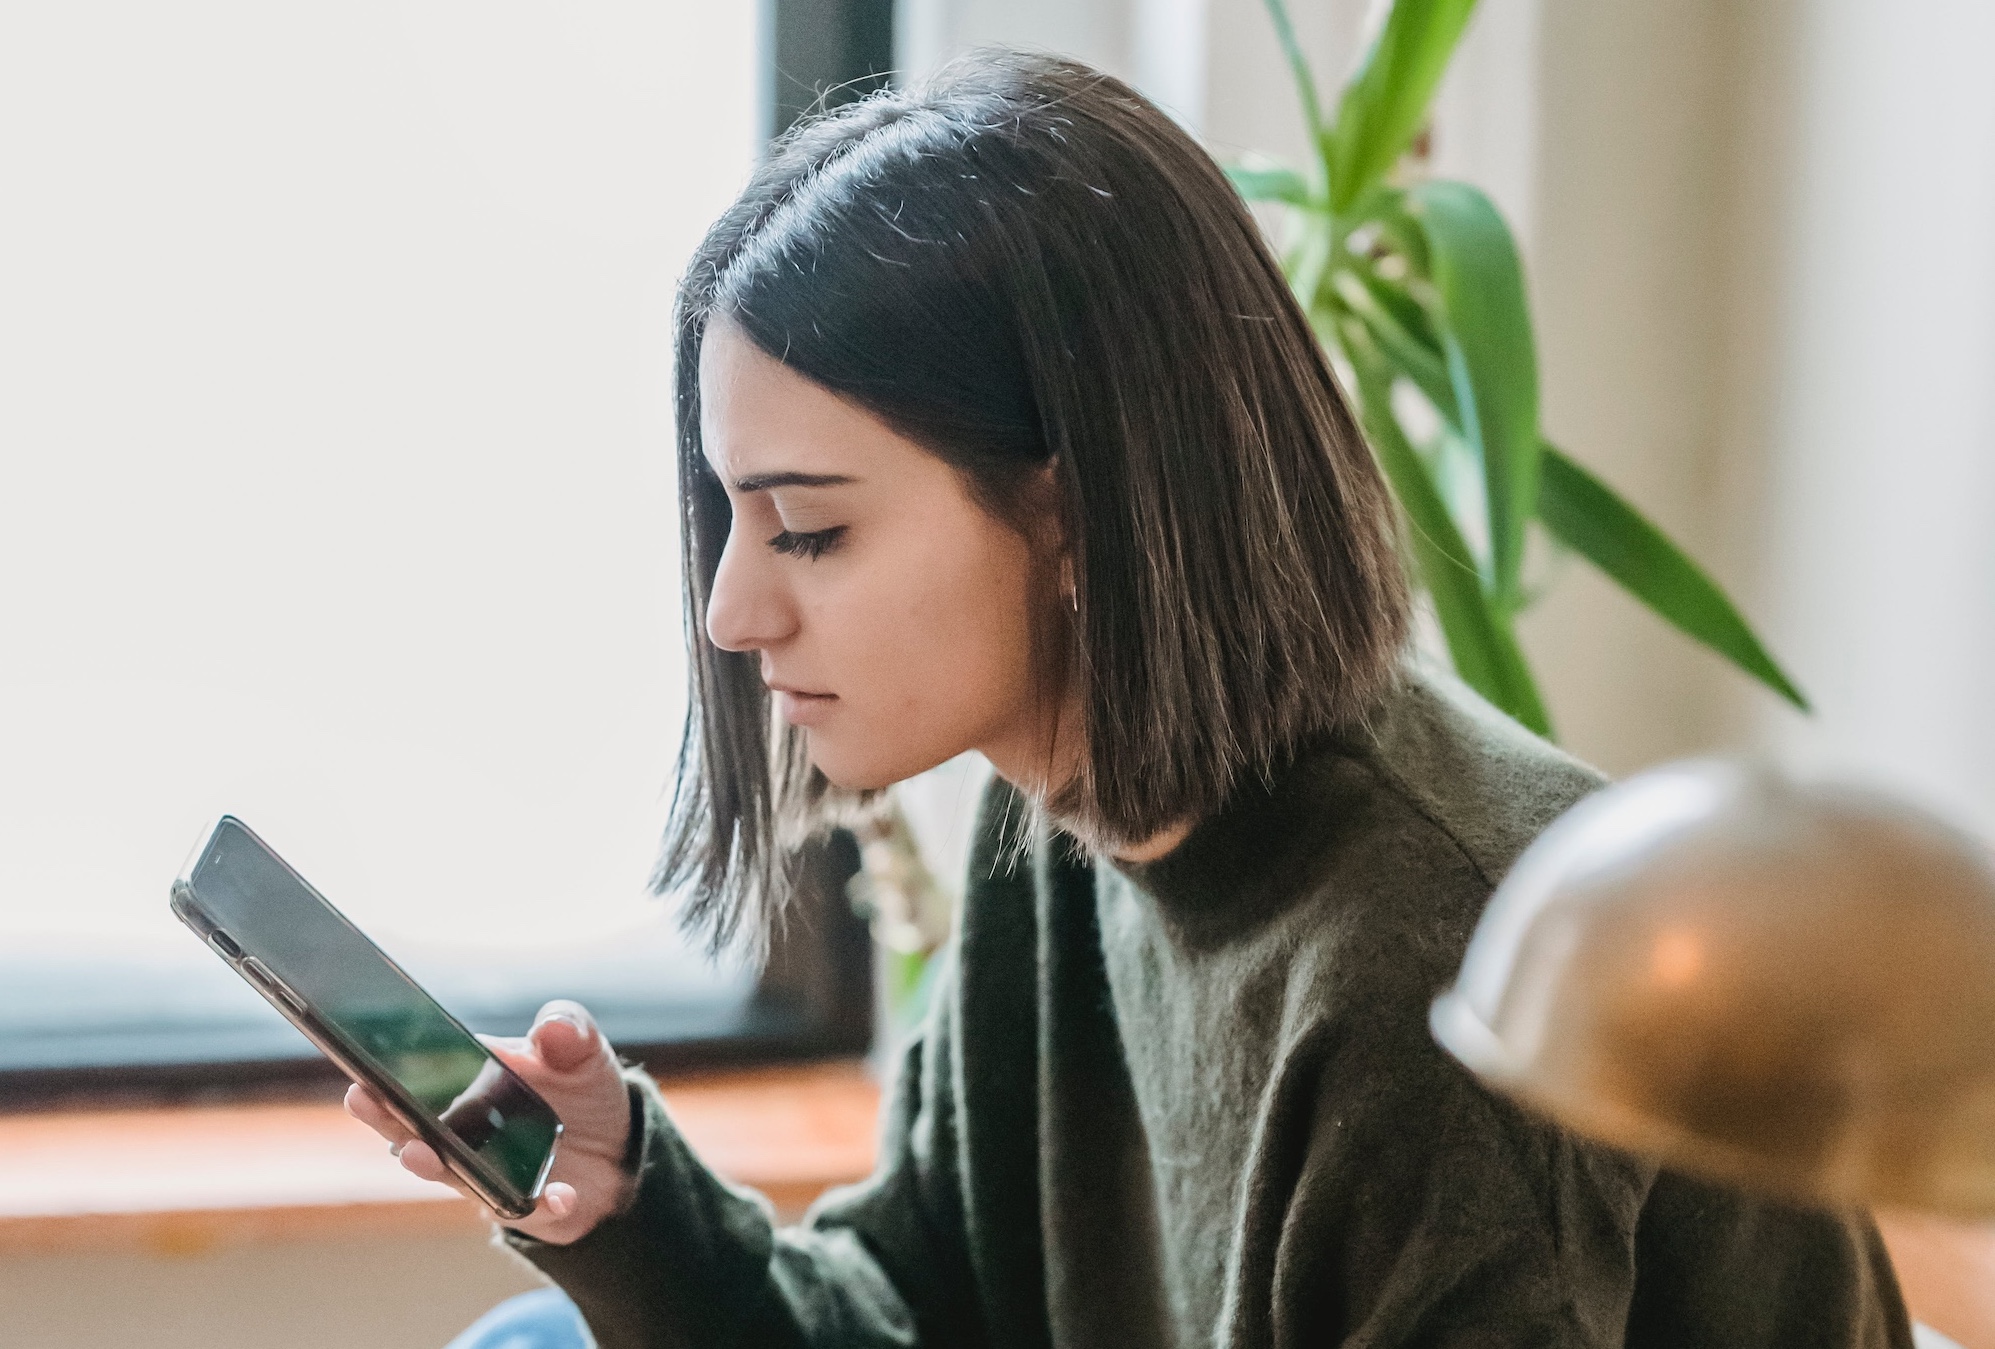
761, 421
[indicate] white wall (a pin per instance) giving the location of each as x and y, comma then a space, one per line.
1213, 63
1881, 554
1763, 259
363, 309
1626, 245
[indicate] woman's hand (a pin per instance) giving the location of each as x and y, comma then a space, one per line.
567, 1060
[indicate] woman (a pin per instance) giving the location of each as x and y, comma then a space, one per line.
999, 430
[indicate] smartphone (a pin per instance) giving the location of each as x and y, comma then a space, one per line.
366, 1015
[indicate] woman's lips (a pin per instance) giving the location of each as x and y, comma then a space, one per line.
803, 709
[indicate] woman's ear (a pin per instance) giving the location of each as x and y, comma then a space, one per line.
1056, 540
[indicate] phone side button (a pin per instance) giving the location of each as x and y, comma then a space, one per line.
271, 984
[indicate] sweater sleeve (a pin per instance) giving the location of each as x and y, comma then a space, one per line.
694, 1260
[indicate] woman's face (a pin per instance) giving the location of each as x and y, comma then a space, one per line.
892, 615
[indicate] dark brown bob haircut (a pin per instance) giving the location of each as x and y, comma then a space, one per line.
1023, 263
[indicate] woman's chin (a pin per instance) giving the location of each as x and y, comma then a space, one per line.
861, 782
866, 772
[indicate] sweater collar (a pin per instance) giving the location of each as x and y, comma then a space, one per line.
1247, 861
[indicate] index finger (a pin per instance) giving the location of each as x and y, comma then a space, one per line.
368, 1108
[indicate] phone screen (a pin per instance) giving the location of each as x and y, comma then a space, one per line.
268, 910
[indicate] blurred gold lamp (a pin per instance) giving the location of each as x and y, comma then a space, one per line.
1780, 986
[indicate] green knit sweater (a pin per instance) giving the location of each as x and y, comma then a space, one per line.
1195, 1102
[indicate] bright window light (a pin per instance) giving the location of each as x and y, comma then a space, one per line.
336, 432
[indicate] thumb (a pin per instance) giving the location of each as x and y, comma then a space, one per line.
565, 1036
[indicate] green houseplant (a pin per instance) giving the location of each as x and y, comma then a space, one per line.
1416, 290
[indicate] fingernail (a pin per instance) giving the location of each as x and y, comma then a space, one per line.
395, 1149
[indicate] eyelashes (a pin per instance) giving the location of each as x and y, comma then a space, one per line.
809, 546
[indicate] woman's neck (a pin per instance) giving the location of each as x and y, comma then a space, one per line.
1042, 765
1155, 846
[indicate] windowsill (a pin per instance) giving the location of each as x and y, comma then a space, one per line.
1944, 1269
184, 1179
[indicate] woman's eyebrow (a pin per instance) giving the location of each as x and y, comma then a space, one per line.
762, 482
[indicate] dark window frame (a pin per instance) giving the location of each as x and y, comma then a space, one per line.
814, 998
821, 52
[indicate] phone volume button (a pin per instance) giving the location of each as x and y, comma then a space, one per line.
260, 974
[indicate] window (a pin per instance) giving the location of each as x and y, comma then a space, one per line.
335, 420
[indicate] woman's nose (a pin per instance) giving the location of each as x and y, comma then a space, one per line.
747, 609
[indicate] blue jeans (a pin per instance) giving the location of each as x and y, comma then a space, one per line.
542, 1319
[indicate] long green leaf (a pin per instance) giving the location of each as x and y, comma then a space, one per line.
1387, 212
1480, 640
1284, 185
1492, 360
1396, 300
1383, 106
1412, 354
1307, 264
1588, 517
1298, 66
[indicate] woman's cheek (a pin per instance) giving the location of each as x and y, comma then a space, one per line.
876, 731
904, 713
928, 649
